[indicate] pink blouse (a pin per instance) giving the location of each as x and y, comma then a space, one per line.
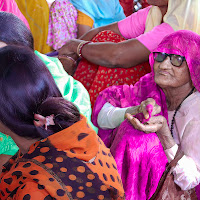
134, 27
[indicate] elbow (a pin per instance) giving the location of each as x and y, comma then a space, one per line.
115, 59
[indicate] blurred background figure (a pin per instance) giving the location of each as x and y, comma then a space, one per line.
37, 14
62, 23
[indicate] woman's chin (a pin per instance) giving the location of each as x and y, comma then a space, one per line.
163, 82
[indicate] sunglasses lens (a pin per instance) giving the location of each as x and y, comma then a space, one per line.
176, 60
159, 57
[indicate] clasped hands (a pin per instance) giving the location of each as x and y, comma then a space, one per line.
68, 56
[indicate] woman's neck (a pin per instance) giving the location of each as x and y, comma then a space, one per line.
22, 142
175, 96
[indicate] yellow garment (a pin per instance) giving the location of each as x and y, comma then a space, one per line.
181, 15
36, 13
84, 19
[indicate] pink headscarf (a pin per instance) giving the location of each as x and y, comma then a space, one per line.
11, 7
185, 43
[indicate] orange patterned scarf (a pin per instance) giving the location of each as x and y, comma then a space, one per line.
71, 164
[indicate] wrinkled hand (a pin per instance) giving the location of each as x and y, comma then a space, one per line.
155, 124
143, 107
66, 52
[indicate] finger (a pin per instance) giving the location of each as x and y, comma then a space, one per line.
142, 109
156, 110
156, 120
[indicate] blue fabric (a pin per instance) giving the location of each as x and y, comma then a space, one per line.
102, 12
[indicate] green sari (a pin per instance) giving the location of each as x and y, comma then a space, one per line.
71, 89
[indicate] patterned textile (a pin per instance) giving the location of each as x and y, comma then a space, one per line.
59, 167
96, 78
140, 157
62, 23
11, 6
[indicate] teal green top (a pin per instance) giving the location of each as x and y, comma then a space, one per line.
71, 89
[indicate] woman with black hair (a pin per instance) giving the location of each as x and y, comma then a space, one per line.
60, 156
14, 31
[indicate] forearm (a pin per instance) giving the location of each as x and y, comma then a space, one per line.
124, 54
110, 117
165, 136
133, 110
166, 141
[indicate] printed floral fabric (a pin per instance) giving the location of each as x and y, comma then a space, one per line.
96, 78
62, 23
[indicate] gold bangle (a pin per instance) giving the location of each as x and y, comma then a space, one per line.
67, 58
80, 46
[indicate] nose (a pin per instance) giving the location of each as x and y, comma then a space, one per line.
166, 64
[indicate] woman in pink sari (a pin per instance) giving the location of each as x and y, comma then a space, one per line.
172, 89
11, 6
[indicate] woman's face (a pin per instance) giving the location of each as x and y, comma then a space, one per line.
169, 76
158, 2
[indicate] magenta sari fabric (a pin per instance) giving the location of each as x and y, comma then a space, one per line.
139, 156
11, 6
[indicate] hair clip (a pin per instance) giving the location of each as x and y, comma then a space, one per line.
40, 120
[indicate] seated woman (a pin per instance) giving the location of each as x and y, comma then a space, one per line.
93, 14
172, 88
111, 63
15, 32
62, 23
60, 156
36, 13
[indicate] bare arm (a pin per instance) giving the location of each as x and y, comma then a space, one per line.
124, 54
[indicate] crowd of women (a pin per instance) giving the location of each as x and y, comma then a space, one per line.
109, 130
